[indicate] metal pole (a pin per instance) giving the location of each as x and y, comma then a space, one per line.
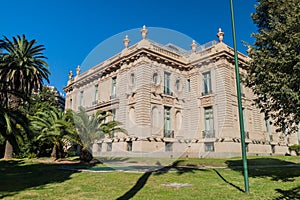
238, 90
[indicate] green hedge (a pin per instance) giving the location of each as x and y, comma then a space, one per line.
296, 148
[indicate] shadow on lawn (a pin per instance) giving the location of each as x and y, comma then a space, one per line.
293, 193
17, 175
277, 170
144, 178
268, 167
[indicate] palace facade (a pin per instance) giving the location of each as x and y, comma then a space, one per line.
174, 102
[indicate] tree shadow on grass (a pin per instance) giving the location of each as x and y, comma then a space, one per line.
268, 167
293, 193
276, 169
226, 181
144, 178
17, 175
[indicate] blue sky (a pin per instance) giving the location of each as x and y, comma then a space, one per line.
71, 29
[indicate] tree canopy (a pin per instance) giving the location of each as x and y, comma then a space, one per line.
274, 69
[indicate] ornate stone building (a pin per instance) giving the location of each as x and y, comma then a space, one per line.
174, 102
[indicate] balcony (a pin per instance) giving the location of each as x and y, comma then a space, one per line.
94, 102
209, 134
168, 133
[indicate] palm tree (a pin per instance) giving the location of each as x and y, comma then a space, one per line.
22, 70
22, 65
13, 124
93, 127
53, 125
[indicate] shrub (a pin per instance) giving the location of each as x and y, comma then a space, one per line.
296, 148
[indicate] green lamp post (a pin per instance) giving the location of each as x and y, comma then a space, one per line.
238, 89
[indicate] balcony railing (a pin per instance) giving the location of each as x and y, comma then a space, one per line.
169, 133
113, 96
206, 93
247, 135
168, 93
209, 134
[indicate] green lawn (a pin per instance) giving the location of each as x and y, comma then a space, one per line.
24, 179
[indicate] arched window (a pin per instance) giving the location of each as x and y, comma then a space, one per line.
155, 118
132, 117
178, 118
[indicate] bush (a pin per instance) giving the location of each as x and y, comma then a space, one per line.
296, 148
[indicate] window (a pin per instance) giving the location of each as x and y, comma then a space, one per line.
178, 85
242, 90
99, 147
81, 98
132, 79
273, 148
188, 85
208, 123
113, 113
169, 146
113, 87
132, 117
209, 146
167, 122
95, 94
155, 119
267, 121
155, 78
167, 83
245, 119
206, 83
247, 147
109, 146
129, 146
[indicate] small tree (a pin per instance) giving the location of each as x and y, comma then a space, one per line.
93, 127
53, 125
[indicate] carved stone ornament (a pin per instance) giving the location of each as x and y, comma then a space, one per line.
220, 35
144, 32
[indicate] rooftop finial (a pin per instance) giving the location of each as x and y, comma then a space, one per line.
144, 32
194, 46
70, 75
78, 70
126, 41
220, 35
249, 48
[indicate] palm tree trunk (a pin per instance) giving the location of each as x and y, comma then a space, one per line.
54, 152
8, 150
57, 151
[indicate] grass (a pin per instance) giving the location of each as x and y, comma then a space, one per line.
27, 179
